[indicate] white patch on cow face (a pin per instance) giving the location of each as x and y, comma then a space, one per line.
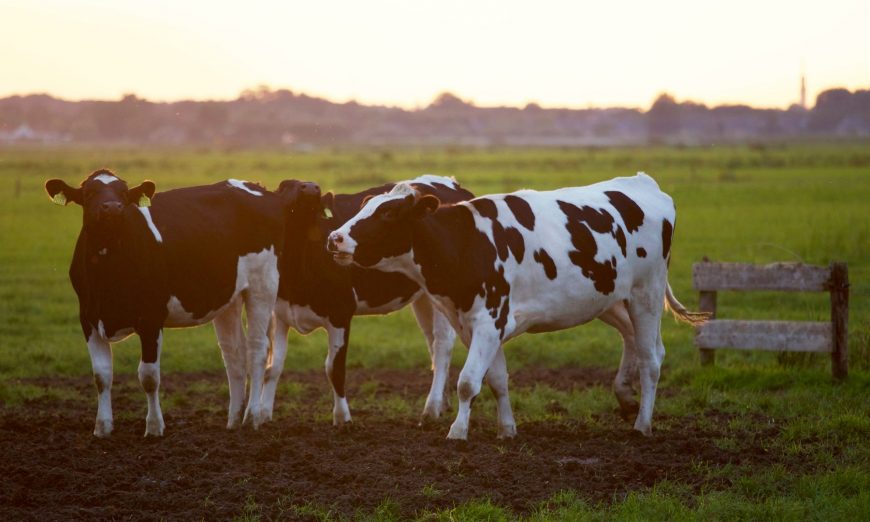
241, 186
146, 213
105, 179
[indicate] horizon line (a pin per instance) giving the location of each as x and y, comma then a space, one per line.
471, 102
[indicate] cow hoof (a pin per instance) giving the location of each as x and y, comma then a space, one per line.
344, 427
103, 428
457, 433
507, 431
155, 432
628, 411
253, 418
646, 431
234, 421
431, 412
339, 419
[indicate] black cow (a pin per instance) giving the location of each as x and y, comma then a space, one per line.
315, 292
195, 255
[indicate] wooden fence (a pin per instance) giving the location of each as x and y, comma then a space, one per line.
826, 337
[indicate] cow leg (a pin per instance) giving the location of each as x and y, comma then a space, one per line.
101, 362
149, 378
440, 338
258, 310
484, 345
497, 378
275, 365
336, 359
645, 310
231, 339
617, 316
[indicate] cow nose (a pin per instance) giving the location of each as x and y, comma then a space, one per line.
111, 207
333, 241
310, 189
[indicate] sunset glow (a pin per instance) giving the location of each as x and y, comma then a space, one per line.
555, 53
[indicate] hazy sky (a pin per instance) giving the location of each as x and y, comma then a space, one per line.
556, 53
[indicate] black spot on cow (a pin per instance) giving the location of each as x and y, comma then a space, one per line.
508, 240
501, 320
603, 275
516, 243
641, 252
486, 208
631, 213
522, 211
620, 239
541, 256
667, 234
499, 237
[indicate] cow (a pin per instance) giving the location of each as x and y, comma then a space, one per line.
315, 292
501, 265
184, 258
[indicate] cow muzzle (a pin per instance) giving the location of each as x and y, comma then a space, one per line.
338, 244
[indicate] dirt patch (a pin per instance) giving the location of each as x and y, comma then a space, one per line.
53, 468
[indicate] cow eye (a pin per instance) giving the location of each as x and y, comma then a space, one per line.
388, 215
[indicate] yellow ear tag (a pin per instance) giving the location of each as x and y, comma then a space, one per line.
327, 213
59, 199
144, 201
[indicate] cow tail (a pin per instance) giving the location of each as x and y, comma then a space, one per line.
681, 312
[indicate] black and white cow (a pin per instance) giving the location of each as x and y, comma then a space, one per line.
315, 292
194, 255
502, 265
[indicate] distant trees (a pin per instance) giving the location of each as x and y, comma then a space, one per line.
663, 117
263, 116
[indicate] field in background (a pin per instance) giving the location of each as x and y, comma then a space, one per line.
749, 204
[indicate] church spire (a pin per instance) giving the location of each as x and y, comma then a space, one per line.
803, 102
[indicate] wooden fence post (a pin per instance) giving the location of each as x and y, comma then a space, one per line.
839, 287
707, 303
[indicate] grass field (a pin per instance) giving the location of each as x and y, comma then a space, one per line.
808, 203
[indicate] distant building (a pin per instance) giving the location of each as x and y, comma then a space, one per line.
24, 133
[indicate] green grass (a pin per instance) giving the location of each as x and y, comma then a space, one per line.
807, 203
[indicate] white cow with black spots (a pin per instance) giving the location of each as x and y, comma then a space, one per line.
502, 265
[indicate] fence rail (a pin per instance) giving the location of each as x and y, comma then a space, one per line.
793, 336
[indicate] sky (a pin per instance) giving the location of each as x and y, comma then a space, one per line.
405, 52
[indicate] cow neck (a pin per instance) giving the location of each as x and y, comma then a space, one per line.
304, 245
442, 248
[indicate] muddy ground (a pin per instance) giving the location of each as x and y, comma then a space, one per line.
54, 468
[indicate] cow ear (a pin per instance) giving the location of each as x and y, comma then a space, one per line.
326, 202
365, 200
61, 193
141, 195
425, 205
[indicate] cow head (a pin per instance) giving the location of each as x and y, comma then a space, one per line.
382, 228
301, 198
103, 197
